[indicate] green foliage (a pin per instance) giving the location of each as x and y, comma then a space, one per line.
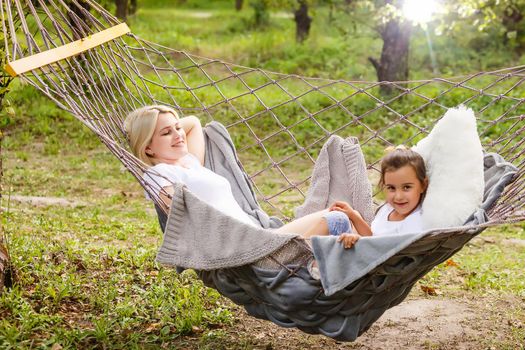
261, 17
81, 287
5, 79
500, 20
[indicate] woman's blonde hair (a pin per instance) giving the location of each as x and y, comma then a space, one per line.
140, 126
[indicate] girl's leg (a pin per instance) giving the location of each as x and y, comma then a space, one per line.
320, 223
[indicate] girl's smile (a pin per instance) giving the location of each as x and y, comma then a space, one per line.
403, 191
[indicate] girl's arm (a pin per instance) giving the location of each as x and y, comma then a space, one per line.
359, 223
194, 136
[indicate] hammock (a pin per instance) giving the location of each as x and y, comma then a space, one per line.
90, 64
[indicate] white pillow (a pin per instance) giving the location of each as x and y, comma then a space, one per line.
454, 159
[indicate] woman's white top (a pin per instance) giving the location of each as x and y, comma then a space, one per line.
204, 183
382, 226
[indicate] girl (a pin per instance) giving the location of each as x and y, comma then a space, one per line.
174, 147
404, 182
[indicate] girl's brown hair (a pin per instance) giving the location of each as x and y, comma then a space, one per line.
399, 157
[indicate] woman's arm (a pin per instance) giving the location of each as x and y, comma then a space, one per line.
194, 136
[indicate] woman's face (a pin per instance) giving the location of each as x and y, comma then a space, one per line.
168, 143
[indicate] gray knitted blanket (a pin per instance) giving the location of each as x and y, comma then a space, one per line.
221, 158
339, 175
201, 237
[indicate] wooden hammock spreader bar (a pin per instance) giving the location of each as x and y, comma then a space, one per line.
44, 58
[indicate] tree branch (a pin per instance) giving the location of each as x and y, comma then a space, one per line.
374, 62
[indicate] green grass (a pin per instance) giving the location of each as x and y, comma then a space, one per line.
86, 276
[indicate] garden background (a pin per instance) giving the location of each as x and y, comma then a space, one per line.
82, 238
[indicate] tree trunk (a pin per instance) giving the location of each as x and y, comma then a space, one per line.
6, 275
132, 7
238, 4
122, 9
77, 17
393, 65
302, 21
6, 278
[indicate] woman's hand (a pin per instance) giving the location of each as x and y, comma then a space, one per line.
348, 240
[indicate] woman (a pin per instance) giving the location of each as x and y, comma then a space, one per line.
174, 147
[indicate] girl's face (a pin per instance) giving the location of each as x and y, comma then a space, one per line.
168, 143
403, 191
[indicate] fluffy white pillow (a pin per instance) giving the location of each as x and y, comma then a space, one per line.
454, 159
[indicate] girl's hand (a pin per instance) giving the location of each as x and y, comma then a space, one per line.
348, 240
343, 207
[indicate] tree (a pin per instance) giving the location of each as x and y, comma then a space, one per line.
132, 7
299, 8
503, 18
385, 17
238, 4
6, 272
395, 32
302, 21
122, 9
78, 11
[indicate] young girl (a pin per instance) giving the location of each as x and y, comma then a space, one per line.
404, 182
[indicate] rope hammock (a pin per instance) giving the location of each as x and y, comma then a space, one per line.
89, 63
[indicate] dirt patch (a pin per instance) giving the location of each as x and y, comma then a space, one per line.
47, 201
199, 14
516, 242
414, 324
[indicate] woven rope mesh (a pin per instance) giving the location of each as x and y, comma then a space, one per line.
278, 122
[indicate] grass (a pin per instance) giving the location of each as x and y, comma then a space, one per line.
85, 274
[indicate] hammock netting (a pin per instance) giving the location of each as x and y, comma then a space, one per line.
278, 123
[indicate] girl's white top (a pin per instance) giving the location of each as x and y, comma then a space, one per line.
382, 226
204, 183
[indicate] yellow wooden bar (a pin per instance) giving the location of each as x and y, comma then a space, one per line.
59, 53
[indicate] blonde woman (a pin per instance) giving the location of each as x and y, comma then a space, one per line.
174, 147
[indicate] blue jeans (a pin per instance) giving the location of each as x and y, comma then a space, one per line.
337, 222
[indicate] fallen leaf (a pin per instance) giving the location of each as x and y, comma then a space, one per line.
429, 290
152, 327
451, 262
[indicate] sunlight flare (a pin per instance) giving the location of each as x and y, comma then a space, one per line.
420, 11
